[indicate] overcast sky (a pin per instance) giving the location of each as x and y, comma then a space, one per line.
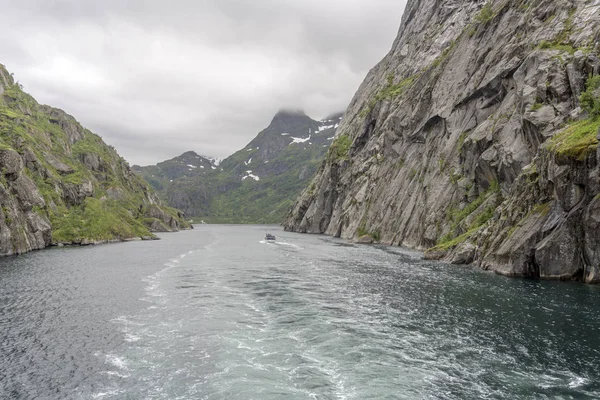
156, 78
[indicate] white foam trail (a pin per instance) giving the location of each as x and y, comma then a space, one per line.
289, 244
131, 338
577, 382
117, 361
281, 244
100, 395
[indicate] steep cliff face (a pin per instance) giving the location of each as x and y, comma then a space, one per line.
60, 183
469, 139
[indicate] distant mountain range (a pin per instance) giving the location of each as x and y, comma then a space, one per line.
257, 184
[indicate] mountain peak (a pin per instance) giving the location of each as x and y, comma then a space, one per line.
334, 116
286, 113
189, 153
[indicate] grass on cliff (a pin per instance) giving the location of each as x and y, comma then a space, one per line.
590, 102
389, 92
96, 220
580, 138
42, 130
363, 231
561, 41
486, 14
340, 148
457, 216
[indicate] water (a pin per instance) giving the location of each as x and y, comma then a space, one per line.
217, 313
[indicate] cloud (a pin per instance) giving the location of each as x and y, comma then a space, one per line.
158, 78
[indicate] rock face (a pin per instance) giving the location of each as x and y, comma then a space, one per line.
257, 184
60, 183
469, 139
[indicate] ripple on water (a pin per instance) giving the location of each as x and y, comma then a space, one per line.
307, 317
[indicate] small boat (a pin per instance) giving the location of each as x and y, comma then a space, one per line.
270, 237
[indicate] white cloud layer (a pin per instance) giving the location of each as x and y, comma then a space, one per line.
157, 78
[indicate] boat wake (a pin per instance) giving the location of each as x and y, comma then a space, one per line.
278, 243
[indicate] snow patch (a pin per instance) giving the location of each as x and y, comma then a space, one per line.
285, 134
251, 176
300, 140
325, 127
192, 166
214, 161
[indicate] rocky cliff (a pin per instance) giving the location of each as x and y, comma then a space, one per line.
256, 184
476, 138
60, 183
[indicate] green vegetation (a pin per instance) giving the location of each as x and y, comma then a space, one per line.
471, 30
536, 106
546, 45
412, 173
389, 92
564, 36
442, 57
454, 176
561, 41
449, 243
284, 170
539, 209
486, 14
443, 164
456, 216
270, 199
362, 231
5, 112
590, 102
580, 138
461, 140
577, 140
340, 148
95, 220
75, 213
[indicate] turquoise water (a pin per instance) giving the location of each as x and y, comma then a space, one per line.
217, 313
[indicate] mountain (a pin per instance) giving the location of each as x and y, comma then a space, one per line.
61, 184
476, 138
258, 183
189, 192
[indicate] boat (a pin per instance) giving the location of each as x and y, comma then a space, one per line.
270, 237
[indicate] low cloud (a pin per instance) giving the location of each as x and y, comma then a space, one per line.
157, 78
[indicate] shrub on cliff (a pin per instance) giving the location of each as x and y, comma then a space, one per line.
590, 99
